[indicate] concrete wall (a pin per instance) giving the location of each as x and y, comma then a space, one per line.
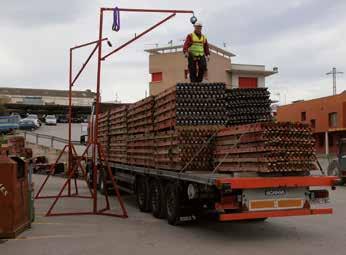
248, 67
51, 153
217, 69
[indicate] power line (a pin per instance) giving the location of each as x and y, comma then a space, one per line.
334, 73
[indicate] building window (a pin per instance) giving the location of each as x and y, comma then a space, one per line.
248, 82
156, 77
313, 123
303, 116
333, 120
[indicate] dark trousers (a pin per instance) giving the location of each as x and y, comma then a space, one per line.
197, 68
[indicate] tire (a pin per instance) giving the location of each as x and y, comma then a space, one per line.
157, 199
102, 186
142, 194
173, 207
257, 220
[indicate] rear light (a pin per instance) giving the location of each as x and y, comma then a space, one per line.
316, 194
319, 196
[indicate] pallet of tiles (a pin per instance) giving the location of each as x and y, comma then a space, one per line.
164, 115
118, 135
118, 149
190, 104
188, 150
266, 148
140, 150
103, 134
140, 116
248, 106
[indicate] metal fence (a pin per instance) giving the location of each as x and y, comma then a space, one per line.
49, 141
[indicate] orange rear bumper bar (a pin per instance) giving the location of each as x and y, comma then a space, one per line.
271, 214
275, 182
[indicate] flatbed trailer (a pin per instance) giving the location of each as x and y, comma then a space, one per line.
181, 196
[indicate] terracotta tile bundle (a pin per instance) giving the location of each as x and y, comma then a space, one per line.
184, 128
248, 106
140, 116
117, 148
265, 147
190, 104
188, 149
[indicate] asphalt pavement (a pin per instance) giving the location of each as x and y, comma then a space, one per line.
60, 131
143, 234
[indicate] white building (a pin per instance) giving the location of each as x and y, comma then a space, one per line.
168, 66
45, 96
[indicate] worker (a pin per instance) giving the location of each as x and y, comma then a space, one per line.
196, 50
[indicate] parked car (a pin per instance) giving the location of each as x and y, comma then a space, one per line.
51, 120
8, 124
62, 119
17, 116
27, 124
77, 120
35, 119
85, 119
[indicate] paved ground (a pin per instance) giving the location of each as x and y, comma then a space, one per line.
61, 131
143, 234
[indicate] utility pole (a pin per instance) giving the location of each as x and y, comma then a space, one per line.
334, 73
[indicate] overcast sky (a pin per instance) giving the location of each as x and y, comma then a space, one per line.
304, 38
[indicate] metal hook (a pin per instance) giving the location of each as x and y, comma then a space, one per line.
193, 19
116, 19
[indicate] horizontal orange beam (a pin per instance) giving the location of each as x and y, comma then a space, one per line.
271, 214
275, 182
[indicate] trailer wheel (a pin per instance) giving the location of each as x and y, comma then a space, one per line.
173, 204
142, 194
256, 220
157, 199
101, 182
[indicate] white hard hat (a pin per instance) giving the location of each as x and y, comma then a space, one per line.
198, 24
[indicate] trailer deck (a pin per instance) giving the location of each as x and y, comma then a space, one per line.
217, 179
250, 186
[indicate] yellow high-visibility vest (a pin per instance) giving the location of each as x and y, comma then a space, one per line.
197, 47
